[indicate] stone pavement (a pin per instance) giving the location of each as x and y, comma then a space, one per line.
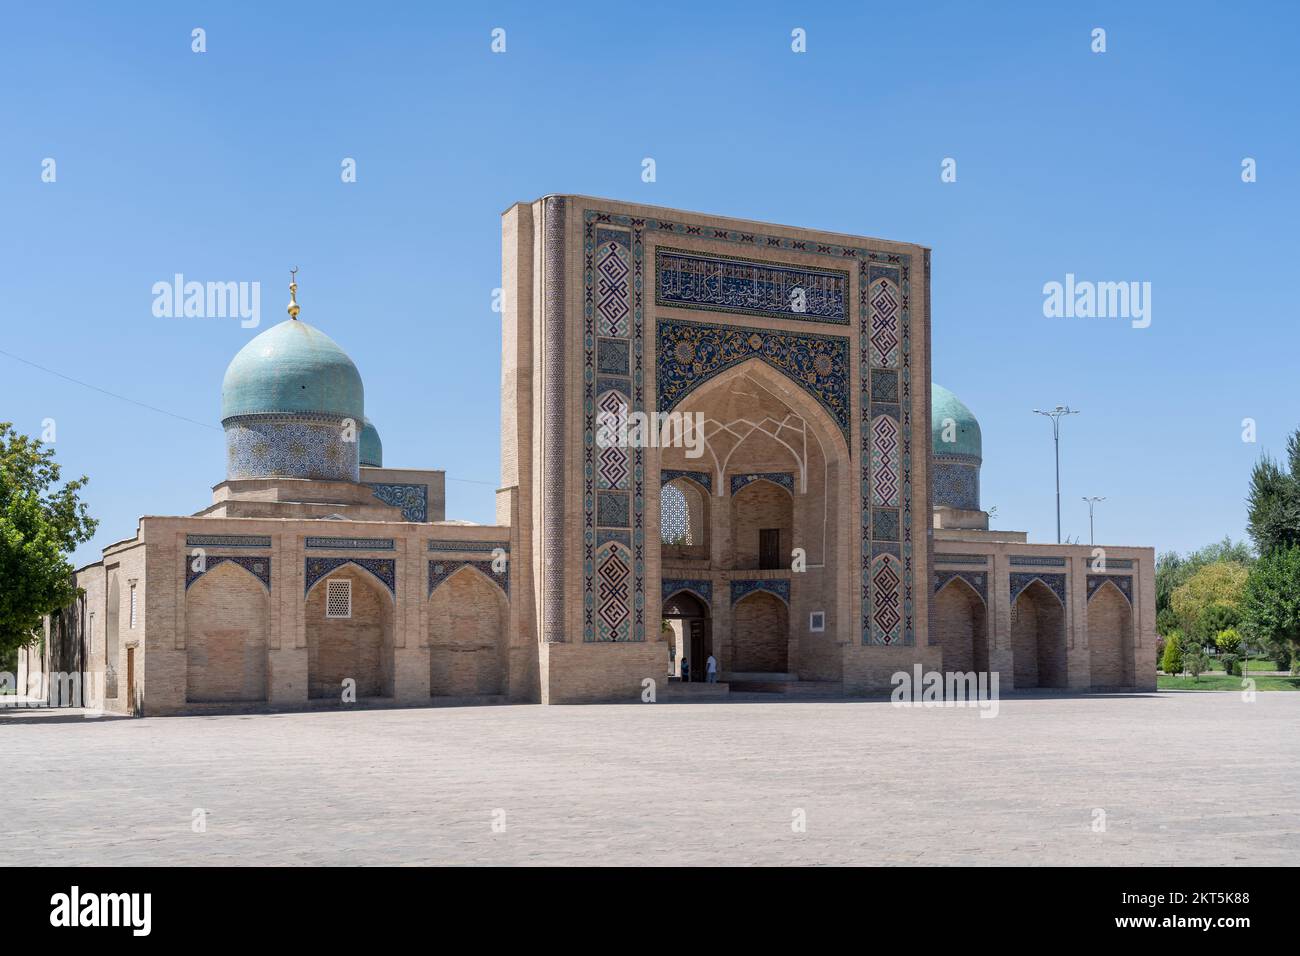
1183, 778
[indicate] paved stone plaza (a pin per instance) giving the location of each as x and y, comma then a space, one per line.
1184, 779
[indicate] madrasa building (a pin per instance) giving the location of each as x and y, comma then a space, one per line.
810, 516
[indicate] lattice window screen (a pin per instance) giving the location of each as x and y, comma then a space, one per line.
674, 516
338, 598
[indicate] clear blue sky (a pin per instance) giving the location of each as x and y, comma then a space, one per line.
225, 166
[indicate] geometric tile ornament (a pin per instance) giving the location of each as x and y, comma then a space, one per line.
885, 428
613, 570
740, 589
978, 580
1122, 581
1022, 579
614, 577
258, 566
784, 479
259, 446
691, 353
440, 570
384, 569
700, 588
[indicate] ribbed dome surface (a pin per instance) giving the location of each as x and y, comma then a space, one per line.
289, 369
372, 449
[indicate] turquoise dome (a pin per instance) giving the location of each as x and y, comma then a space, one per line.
292, 369
372, 449
947, 408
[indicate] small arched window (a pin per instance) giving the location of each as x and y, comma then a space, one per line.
675, 516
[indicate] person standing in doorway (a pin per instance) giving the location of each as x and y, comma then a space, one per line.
686, 669
711, 669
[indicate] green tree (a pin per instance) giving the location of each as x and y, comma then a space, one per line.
1273, 503
1208, 601
39, 526
1172, 571
1194, 659
1270, 607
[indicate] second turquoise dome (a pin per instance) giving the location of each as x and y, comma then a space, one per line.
946, 409
292, 369
372, 449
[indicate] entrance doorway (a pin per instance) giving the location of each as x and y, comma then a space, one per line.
130, 680
688, 619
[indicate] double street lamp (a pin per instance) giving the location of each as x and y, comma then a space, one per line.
1055, 415
1092, 501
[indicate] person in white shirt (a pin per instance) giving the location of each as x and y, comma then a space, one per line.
711, 669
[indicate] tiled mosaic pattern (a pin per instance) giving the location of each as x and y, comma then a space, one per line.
700, 587
956, 484
351, 544
694, 280
1122, 581
413, 499
227, 541
702, 478
385, 569
441, 570
978, 580
259, 447
1022, 579
258, 566
691, 353
775, 586
886, 449
782, 478
613, 476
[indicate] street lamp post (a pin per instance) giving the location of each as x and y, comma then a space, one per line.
1055, 415
1091, 502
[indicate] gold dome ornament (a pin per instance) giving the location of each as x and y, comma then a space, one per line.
293, 308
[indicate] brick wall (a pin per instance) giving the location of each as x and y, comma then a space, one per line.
760, 504
1110, 638
467, 639
960, 628
226, 620
1038, 639
760, 628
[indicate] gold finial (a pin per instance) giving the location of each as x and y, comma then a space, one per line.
293, 293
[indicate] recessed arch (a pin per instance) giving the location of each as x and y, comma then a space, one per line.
961, 626
356, 649
760, 634
371, 575
1110, 637
1038, 648
468, 627
490, 578
227, 623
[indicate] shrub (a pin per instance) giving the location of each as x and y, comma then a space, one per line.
1194, 659
1228, 641
1172, 661
1229, 662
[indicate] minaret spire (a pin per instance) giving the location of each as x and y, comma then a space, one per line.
293, 294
